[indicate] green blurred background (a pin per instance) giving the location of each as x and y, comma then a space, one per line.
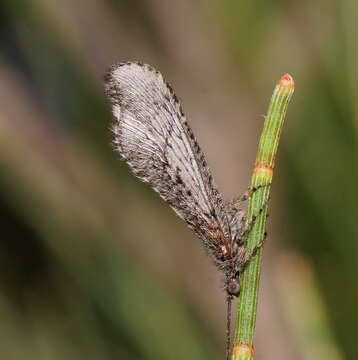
93, 265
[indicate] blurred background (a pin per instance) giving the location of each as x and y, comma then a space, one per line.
93, 265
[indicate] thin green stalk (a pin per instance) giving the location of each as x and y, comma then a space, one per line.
262, 175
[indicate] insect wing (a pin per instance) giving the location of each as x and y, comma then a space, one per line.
152, 135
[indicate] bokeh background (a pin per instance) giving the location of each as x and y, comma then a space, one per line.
93, 265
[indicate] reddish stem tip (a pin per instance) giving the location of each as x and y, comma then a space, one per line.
286, 81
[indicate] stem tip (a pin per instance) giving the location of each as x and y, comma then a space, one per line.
286, 81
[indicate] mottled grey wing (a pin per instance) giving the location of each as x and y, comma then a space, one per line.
152, 135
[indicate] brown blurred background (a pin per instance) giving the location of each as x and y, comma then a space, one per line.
93, 265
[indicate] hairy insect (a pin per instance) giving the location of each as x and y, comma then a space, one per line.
152, 135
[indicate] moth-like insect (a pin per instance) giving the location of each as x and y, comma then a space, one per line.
152, 135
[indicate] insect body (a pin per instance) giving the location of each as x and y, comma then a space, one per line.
152, 135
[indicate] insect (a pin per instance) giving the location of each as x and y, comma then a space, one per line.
153, 137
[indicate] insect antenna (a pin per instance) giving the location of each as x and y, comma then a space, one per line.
228, 326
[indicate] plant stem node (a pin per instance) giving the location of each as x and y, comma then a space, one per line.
242, 351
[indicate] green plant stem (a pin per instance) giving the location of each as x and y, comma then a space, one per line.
262, 175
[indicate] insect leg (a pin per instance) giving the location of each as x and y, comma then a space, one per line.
259, 245
235, 203
249, 223
250, 255
240, 225
250, 191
